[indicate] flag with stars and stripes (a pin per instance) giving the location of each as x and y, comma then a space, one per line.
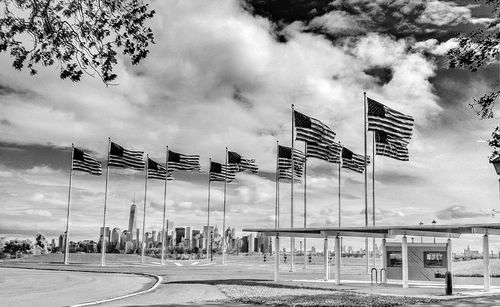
177, 161
158, 171
353, 161
221, 172
84, 162
285, 162
330, 153
239, 164
390, 146
392, 122
312, 130
121, 157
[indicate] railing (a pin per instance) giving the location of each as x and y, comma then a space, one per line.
383, 273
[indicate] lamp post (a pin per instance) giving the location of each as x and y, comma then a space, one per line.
211, 246
434, 223
421, 239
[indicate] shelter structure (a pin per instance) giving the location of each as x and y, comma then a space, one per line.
426, 258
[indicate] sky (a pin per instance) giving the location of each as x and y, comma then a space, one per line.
225, 73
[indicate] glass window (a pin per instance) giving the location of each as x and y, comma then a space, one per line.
394, 259
434, 259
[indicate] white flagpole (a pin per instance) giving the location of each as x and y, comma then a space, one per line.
143, 245
292, 239
305, 204
66, 247
340, 215
277, 188
208, 209
224, 217
103, 245
373, 196
164, 210
366, 180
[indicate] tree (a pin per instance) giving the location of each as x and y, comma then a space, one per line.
40, 244
76, 35
16, 248
475, 50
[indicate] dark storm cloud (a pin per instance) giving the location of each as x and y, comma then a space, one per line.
28, 156
457, 212
8, 90
383, 75
400, 18
5, 122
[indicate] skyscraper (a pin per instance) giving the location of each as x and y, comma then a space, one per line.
132, 220
180, 233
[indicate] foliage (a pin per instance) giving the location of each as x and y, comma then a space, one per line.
41, 244
494, 142
16, 248
75, 35
478, 49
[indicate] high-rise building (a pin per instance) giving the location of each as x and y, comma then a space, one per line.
154, 238
251, 242
62, 241
132, 220
124, 237
115, 238
180, 233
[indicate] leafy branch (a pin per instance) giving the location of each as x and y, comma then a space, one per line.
79, 36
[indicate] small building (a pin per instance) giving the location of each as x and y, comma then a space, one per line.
426, 261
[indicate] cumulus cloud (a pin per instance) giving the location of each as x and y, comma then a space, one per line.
441, 13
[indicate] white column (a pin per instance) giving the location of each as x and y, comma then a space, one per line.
384, 262
486, 262
337, 260
404, 267
277, 259
326, 268
449, 258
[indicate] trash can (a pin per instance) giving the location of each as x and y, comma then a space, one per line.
448, 283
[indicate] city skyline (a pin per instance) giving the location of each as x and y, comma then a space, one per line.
219, 76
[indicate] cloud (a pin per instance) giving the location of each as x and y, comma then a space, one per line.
443, 13
457, 212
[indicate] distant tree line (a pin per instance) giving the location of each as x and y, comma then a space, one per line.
18, 248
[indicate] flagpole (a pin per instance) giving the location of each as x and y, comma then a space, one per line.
103, 245
292, 239
66, 247
339, 193
208, 208
276, 208
366, 180
164, 209
373, 195
143, 245
305, 203
224, 217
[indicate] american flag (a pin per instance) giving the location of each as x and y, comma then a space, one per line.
84, 162
286, 174
285, 162
392, 122
389, 146
121, 157
239, 164
219, 172
177, 161
157, 171
330, 153
312, 130
353, 161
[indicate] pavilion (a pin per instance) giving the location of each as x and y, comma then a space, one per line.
383, 232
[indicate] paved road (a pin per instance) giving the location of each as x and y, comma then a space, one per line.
26, 287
